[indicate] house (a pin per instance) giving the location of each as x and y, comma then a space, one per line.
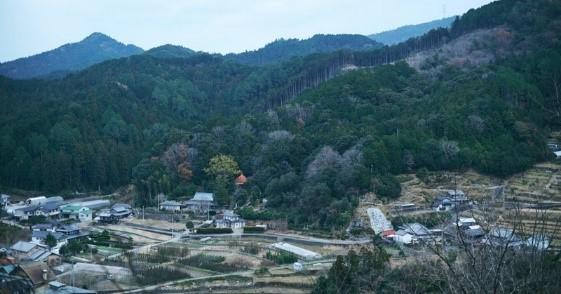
121, 210
48, 227
223, 223
540, 242
117, 212
298, 267
201, 202
22, 247
49, 209
56, 287
11, 208
274, 224
172, 205
39, 237
457, 195
106, 217
76, 211
4, 200
442, 203
25, 212
230, 215
27, 251
403, 237
417, 230
498, 236
68, 230
38, 273
474, 232
13, 282
301, 253
466, 222
557, 154
553, 146
228, 219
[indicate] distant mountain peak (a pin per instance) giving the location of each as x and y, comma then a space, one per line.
95, 48
98, 37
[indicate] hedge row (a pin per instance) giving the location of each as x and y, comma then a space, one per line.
253, 229
214, 231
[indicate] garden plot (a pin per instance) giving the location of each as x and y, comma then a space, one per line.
158, 224
138, 235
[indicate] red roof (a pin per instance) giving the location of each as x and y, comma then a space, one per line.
388, 233
241, 180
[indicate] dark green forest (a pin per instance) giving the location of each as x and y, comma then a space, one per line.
309, 135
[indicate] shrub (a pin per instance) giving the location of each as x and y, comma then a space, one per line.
281, 257
213, 263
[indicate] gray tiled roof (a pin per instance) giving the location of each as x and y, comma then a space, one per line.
201, 196
23, 246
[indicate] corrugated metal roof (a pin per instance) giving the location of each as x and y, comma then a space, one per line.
23, 246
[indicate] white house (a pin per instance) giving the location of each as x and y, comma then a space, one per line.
229, 219
49, 209
25, 212
404, 237
44, 227
466, 221
171, 205
298, 267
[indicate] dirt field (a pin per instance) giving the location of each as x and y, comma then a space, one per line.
164, 225
138, 235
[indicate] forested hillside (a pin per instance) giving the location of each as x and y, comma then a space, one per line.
311, 133
283, 49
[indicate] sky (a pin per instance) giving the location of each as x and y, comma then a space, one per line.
29, 27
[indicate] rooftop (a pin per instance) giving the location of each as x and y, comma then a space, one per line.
43, 235
415, 229
23, 246
201, 196
60, 288
49, 206
171, 203
71, 227
43, 226
305, 253
121, 205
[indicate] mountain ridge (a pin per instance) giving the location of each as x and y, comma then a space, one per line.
401, 34
96, 47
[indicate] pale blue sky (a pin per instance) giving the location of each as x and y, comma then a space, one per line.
29, 27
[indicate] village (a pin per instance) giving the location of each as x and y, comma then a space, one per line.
96, 244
